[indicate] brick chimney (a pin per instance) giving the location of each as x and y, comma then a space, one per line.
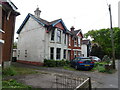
37, 12
72, 28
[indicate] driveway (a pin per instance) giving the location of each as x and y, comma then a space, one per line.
46, 78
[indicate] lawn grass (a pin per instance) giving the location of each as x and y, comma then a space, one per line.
14, 70
13, 84
22, 70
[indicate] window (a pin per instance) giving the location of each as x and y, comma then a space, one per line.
69, 40
52, 35
78, 42
75, 42
25, 53
18, 53
65, 39
75, 54
51, 53
58, 36
58, 53
79, 53
64, 56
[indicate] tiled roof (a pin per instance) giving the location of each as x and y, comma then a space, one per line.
42, 22
75, 32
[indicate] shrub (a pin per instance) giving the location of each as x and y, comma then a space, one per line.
9, 71
55, 63
106, 59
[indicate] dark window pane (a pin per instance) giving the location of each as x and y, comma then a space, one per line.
58, 53
51, 53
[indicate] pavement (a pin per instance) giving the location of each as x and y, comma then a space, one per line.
47, 78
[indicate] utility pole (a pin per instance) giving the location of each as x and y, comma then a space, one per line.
112, 39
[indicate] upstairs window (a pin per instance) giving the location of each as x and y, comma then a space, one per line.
75, 42
65, 39
52, 35
69, 40
59, 36
79, 42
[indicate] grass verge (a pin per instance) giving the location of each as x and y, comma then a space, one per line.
13, 84
13, 70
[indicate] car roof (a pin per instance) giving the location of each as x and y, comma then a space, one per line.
83, 57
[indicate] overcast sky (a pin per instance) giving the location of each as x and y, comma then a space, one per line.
82, 14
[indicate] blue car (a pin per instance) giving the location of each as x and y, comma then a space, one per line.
82, 63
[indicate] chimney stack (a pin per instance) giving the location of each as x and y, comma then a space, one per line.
72, 28
37, 12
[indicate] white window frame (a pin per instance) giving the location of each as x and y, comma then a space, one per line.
53, 35
64, 53
58, 57
75, 42
59, 36
64, 38
79, 42
51, 53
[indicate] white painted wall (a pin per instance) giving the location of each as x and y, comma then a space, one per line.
84, 50
31, 38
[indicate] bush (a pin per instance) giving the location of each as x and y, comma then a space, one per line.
9, 71
55, 63
106, 59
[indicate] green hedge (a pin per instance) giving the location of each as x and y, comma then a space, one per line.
56, 63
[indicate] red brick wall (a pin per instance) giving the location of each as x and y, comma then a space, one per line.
30, 62
8, 27
59, 25
72, 46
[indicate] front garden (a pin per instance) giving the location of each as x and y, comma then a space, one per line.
105, 66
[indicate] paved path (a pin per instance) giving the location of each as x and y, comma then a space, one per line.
99, 80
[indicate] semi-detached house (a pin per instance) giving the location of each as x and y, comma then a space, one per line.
39, 39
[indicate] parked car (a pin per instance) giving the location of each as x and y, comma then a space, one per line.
95, 59
82, 63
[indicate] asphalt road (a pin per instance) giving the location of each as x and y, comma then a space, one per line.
99, 80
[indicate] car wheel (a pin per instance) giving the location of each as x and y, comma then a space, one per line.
76, 67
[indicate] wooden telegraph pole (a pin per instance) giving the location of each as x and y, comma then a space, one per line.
112, 39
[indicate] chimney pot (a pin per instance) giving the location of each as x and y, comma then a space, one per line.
72, 28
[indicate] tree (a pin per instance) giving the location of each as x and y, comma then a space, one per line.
97, 51
103, 38
15, 45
